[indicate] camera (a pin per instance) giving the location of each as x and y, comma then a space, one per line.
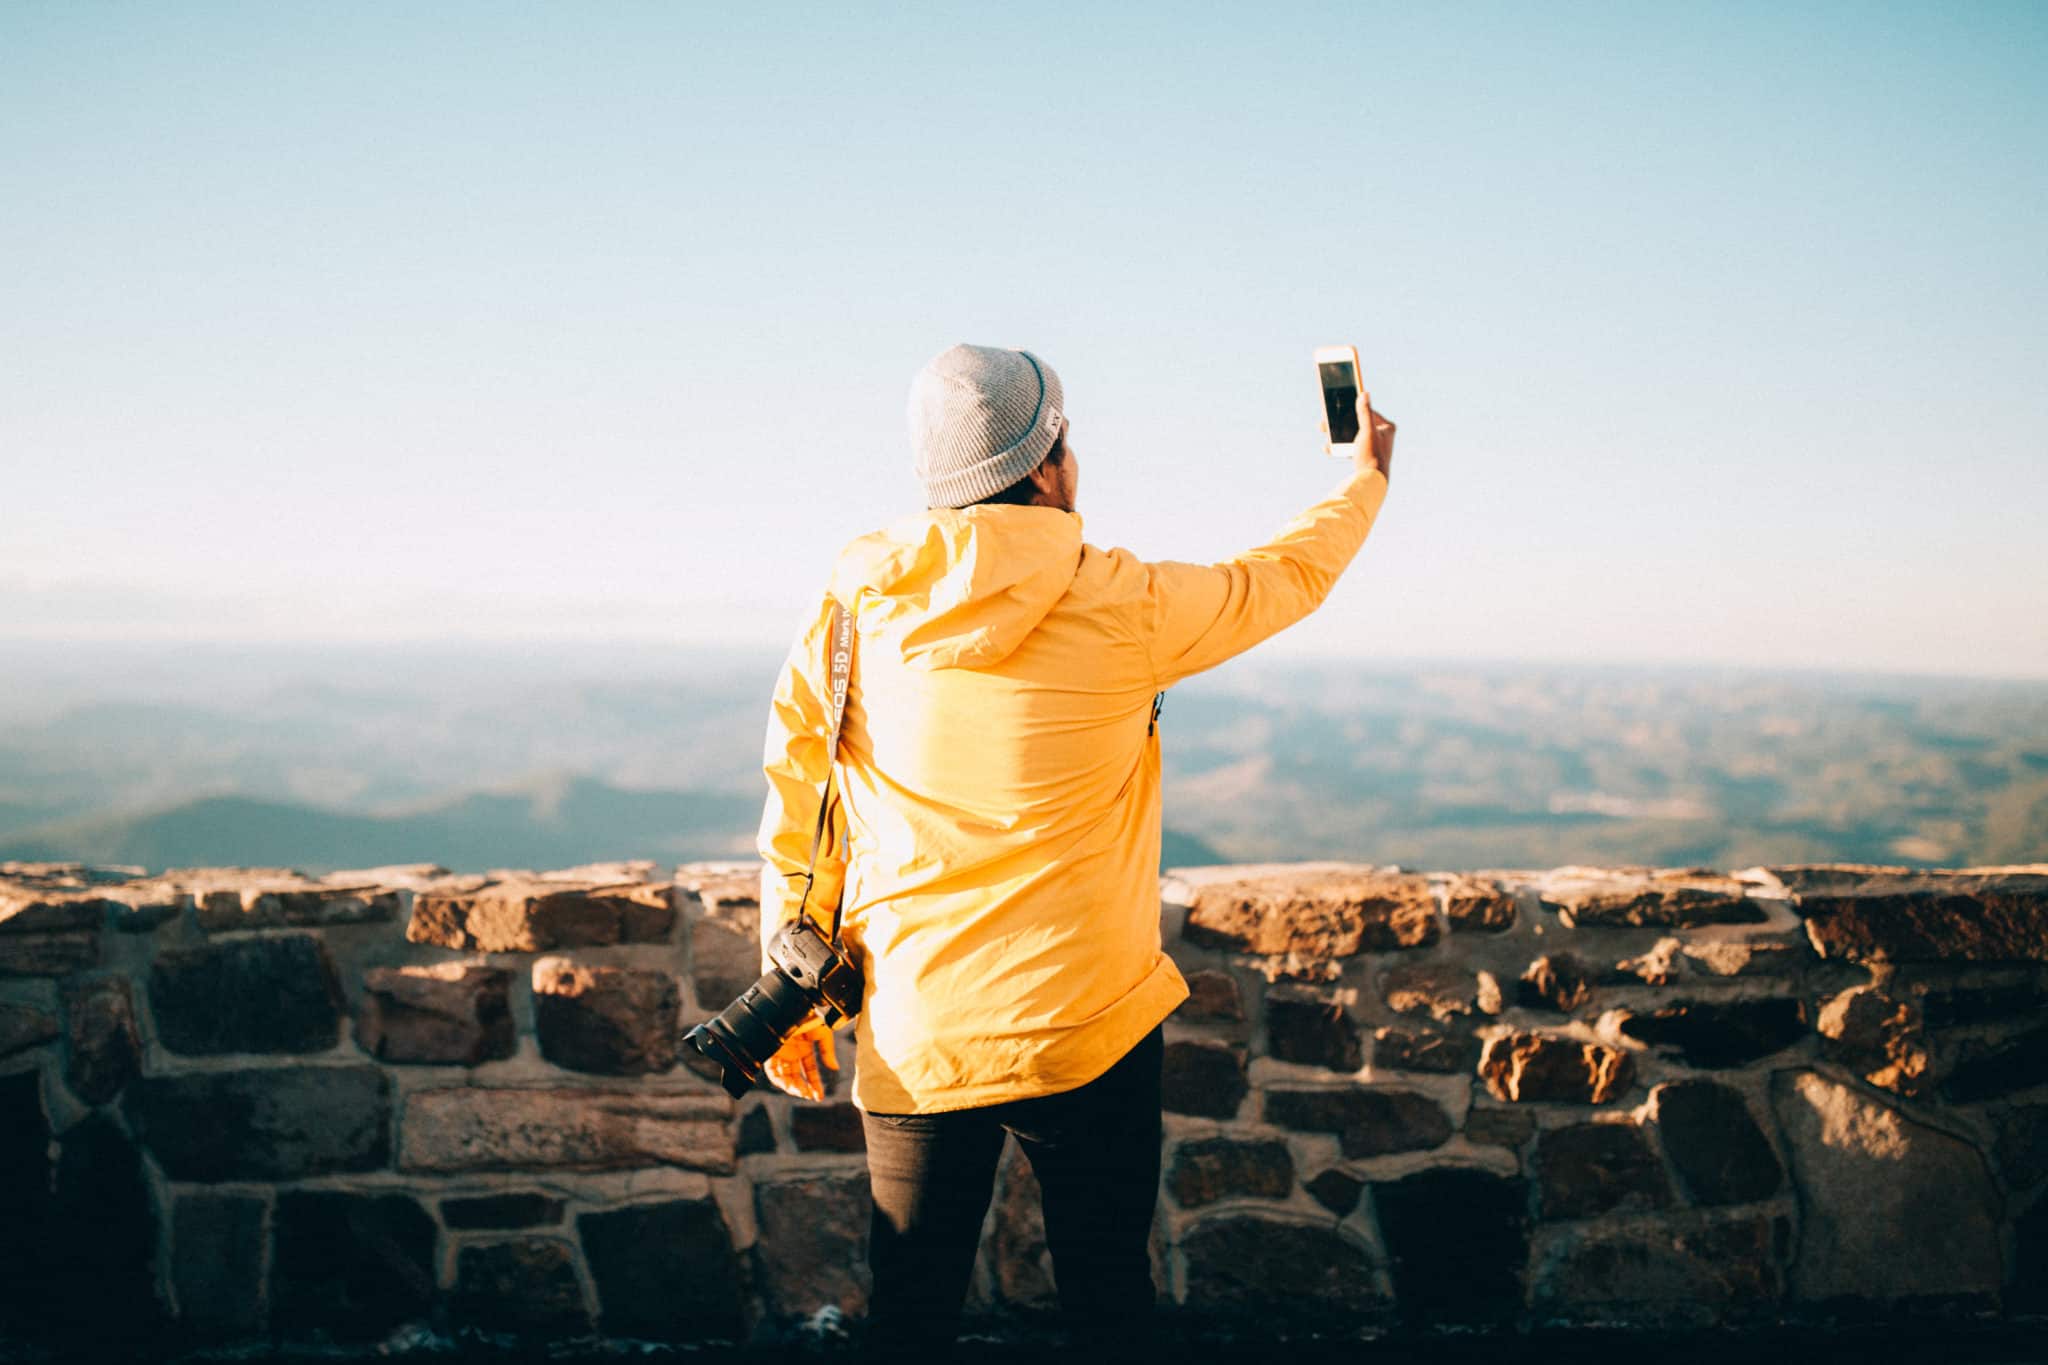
806, 972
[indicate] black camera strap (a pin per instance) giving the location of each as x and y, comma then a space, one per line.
839, 646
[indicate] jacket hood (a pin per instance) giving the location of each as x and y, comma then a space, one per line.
960, 587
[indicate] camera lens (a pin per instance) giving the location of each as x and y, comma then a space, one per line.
750, 1030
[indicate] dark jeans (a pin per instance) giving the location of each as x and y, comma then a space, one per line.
1095, 1151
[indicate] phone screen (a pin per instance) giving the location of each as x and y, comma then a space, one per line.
1340, 400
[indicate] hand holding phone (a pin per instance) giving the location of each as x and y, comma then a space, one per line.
1351, 429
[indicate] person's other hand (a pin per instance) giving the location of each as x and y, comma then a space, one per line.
1378, 452
794, 1068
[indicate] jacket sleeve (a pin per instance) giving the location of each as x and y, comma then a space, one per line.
794, 759
1194, 616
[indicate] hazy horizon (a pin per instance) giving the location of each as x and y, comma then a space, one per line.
1715, 334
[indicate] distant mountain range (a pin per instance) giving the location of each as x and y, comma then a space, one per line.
554, 821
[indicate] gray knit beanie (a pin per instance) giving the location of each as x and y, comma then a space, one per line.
981, 418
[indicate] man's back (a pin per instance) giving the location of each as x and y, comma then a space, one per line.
1001, 781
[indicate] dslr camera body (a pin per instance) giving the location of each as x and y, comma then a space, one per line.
806, 974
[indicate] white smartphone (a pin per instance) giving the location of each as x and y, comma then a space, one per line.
1337, 369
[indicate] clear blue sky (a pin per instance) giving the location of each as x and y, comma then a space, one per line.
1715, 333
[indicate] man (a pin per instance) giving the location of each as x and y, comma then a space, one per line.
994, 834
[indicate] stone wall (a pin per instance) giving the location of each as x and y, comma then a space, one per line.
244, 1104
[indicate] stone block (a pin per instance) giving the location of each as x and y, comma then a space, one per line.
535, 916
353, 1266
604, 1020
270, 994
1476, 904
1203, 1079
39, 912
1242, 1263
24, 1026
217, 1264
1368, 1121
105, 1047
756, 1132
1442, 990
725, 943
1446, 1054
1314, 914
1878, 1037
265, 903
1208, 1170
263, 1123
1213, 998
1525, 1067
1889, 1208
1336, 1191
1640, 898
1555, 981
1894, 915
1459, 1243
1014, 1260
1714, 1143
2028, 1291
812, 1246
1717, 1034
57, 954
1589, 1169
97, 1252
525, 1287
1691, 1273
512, 1209
473, 1128
665, 1271
1982, 1073
1740, 958
1989, 996
1313, 1032
1490, 1127
449, 1013
1662, 965
833, 1127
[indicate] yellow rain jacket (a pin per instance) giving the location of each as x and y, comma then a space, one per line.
994, 834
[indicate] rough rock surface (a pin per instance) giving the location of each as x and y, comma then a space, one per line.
1478, 904
1538, 1066
1667, 898
1877, 1037
1448, 1054
1589, 1169
1203, 1079
523, 1286
353, 1266
105, 1051
1466, 1267
664, 1271
274, 993
1871, 1182
1320, 914
1313, 1032
1213, 1169
472, 1128
1721, 1033
1264, 1264
534, 916
1714, 1143
605, 1020
1694, 1274
1442, 990
450, 1013
1370, 1122
263, 1123
1895, 915
813, 1244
